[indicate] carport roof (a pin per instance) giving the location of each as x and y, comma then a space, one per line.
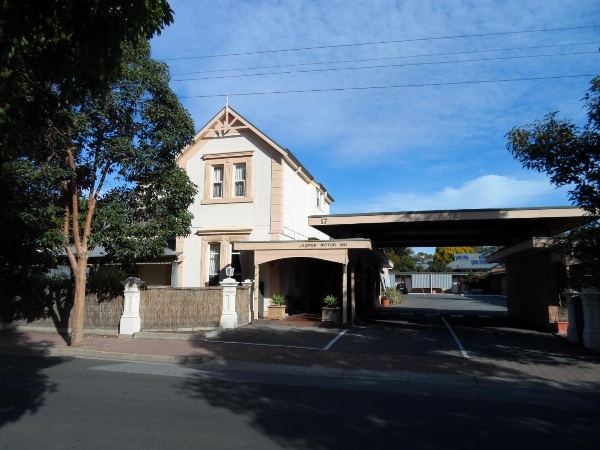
449, 228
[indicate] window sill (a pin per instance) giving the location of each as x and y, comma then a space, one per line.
224, 201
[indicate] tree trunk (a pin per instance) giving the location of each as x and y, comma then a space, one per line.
79, 302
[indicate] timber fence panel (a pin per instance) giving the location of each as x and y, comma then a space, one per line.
102, 314
168, 308
242, 305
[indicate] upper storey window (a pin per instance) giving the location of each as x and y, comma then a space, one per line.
228, 178
217, 182
240, 180
319, 199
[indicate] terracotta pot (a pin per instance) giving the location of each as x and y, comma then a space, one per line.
385, 302
562, 327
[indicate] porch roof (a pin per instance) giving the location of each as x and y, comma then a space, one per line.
333, 250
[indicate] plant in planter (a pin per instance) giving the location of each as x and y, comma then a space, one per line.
330, 312
390, 297
277, 307
560, 316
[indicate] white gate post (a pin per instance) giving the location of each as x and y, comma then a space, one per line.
130, 320
229, 316
590, 300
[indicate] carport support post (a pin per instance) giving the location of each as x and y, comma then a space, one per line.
590, 300
345, 294
229, 316
256, 292
131, 321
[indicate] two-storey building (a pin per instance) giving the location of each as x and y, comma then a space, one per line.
251, 212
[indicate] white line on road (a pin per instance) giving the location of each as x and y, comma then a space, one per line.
328, 346
211, 341
462, 349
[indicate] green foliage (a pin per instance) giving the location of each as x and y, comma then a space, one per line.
55, 53
393, 295
476, 277
277, 300
131, 136
29, 217
403, 259
423, 257
446, 254
330, 301
438, 266
570, 155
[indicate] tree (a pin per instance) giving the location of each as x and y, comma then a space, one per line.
446, 254
570, 155
438, 266
53, 53
423, 257
111, 179
403, 258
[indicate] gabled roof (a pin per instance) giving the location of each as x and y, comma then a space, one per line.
227, 122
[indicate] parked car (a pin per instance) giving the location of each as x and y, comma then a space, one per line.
402, 288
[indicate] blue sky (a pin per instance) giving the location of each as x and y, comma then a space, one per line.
434, 141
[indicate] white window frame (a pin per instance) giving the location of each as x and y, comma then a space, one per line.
319, 199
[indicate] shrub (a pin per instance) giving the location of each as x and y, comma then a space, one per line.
277, 300
394, 295
330, 301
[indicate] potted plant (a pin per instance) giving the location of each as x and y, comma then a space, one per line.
277, 307
390, 297
559, 316
330, 312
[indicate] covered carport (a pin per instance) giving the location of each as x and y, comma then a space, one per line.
306, 271
532, 283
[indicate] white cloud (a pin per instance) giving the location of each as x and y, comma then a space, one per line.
488, 191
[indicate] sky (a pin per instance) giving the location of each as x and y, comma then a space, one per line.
392, 105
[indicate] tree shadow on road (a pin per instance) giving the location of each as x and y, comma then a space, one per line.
331, 417
23, 385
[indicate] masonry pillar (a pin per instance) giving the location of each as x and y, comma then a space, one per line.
590, 300
531, 288
131, 321
229, 316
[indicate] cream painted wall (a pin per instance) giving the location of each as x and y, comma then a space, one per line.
254, 215
191, 261
300, 202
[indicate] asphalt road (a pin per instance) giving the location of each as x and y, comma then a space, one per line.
475, 305
55, 403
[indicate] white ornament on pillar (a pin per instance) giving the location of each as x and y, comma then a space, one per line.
130, 320
590, 301
229, 316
